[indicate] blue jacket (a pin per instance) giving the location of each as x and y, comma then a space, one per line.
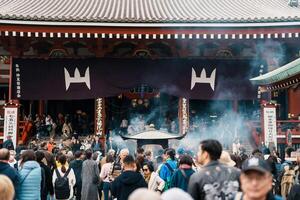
165, 173
30, 181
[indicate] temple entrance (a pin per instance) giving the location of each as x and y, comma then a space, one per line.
141, 109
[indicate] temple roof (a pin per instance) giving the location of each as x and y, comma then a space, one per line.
283, 73
148, 11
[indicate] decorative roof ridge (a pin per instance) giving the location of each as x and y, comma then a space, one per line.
286, 71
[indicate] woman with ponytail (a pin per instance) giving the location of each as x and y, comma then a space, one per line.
63, 180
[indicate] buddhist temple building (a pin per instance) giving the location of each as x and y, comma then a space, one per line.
171, 63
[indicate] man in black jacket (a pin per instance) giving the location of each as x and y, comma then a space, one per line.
128, 181
6, 169
46, 187
76, 165
214, 180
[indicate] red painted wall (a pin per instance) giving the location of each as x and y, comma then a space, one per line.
294, 101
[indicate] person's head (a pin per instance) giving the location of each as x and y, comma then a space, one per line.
288, 151
88, 154
62, 159
123, 154
129, 163
169, 153
256, 178
4, 155
257, 153
186, 160
78, 155
27, 155
12, 156
43, 145
176, 194
95, 156
148, 168
144, 194
7, 191
39, 156
226, 159
111, 152
209, 150
109, 158
140, 151
148, 155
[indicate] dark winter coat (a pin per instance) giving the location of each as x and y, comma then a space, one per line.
214, 180
76, 165
126, 183
294, 193
179, 180
11, 173
48, 187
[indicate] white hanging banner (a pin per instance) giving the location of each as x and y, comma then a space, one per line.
270, 128
11, 123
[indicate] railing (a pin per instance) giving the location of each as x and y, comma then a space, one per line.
282, 127
24, 130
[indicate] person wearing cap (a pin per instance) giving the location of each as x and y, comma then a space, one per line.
256, 181
214, 180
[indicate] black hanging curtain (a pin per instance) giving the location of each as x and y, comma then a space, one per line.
93, 78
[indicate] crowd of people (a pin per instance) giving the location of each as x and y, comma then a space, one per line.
63, 125
45, 171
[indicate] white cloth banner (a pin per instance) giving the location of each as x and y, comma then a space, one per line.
270, 128
10, 123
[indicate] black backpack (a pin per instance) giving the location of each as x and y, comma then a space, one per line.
61, 185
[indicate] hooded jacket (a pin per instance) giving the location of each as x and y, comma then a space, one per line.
126, 183
10, 172
30, 181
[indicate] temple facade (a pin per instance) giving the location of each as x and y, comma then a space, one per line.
182, 43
